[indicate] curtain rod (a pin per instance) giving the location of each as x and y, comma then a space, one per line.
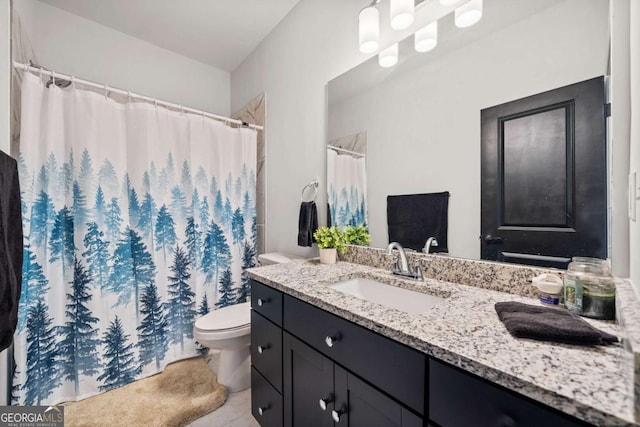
54, 75
342, 150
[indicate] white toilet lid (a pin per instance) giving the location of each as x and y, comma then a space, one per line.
231, 317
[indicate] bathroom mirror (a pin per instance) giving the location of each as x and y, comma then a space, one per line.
422, 119
347, 180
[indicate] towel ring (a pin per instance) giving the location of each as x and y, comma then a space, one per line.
313, 184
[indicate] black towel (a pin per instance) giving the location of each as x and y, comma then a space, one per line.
549, 324
10, 249
307, 223
413, 218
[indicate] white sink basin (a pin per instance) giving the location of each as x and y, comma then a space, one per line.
390, 296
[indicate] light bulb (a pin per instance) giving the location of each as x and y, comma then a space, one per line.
388, 57
369, 29
401, 13
426, 38
469, 13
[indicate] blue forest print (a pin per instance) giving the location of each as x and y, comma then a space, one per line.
119, 265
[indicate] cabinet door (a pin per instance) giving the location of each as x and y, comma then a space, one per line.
360, 405
308, 378
459, 399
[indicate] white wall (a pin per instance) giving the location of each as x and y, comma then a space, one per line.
70, 44
635, 137
423, 126
316, 42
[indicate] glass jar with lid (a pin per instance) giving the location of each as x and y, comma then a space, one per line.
589, 288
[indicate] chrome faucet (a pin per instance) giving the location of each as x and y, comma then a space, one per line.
401, 265
431, 242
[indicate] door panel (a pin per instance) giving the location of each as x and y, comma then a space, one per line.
544, 177
308, 377
360, 405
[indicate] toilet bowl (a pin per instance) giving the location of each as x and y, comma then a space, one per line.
228, 329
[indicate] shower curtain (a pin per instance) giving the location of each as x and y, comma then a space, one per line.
137, 220
347, 186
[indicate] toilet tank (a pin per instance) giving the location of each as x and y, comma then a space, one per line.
276, 258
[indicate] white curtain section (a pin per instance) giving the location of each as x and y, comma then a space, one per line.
137, 220
347, 187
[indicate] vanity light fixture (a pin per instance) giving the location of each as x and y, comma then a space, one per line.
426, 39
369, 28
468, 14
401, 13
389, 56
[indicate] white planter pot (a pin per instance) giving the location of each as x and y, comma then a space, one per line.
328, 256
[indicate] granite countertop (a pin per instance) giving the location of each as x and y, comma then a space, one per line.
589, 383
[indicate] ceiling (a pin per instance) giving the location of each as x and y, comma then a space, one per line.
221, 33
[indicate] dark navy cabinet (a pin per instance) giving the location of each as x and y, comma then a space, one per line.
311, 368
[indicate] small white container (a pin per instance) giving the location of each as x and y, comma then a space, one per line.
550, 287
328, 256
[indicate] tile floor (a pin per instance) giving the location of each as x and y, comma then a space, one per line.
236, 411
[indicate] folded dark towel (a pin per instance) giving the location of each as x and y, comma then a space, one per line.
549, 324
307, 223
413, 218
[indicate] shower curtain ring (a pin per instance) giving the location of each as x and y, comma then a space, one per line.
129, 95
53, 77
73, 82
106, 91
155, 102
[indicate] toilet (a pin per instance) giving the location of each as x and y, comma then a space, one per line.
228, 329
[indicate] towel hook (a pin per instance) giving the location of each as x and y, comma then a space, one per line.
313, 184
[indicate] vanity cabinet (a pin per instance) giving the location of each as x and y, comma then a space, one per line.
485, 404
311, 368
321, 393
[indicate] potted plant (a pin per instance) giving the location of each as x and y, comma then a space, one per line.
330, 241
356, 235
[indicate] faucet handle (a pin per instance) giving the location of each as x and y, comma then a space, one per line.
417, 271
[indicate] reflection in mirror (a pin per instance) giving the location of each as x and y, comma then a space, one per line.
347, 180
422, 116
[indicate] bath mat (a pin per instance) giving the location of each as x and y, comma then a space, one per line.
184, 391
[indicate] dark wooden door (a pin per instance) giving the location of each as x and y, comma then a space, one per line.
544, 182
360, 405
308, 378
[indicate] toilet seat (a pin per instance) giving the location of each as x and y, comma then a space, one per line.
224, 323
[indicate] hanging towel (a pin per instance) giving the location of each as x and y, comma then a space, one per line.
413, 218
549, 324
10, 249
307, 223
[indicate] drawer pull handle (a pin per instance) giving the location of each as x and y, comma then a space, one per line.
324, 402
336, 414
262, 409
262, 302
330, 341
261, 348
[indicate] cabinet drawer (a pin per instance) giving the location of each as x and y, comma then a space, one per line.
267, 301
460, 399
266, 349
265, 399
388, 365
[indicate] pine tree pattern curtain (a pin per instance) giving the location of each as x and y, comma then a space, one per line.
347, 189
137, 220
